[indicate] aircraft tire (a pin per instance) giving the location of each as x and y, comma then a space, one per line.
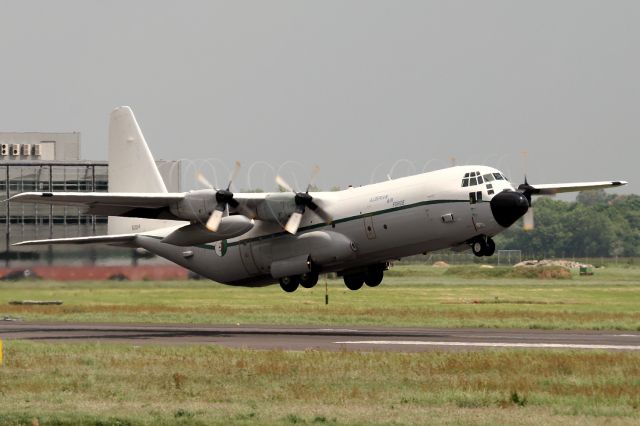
354, 282
491, 247
289, 284
479, 247
374, 277
309, 280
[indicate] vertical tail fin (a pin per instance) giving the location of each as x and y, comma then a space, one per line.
131, 169
131, 165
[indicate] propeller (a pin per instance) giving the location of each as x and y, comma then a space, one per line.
527, 190
224, 197
302, 201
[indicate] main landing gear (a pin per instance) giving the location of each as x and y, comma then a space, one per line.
372, 277
483, 246
354, 280
290, 284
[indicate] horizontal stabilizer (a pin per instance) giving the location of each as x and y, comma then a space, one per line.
557, 188
100, 239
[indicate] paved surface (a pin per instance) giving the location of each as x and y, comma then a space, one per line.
310, 337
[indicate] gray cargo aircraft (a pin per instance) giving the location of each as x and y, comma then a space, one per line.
256, 239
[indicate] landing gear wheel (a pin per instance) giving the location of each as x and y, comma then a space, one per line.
289, 284
309, 279
354, 282
374, 277
491, 247
479, 247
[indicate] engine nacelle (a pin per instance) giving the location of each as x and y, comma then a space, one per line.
196, 205
276, 207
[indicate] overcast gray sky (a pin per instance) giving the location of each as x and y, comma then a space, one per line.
354, 86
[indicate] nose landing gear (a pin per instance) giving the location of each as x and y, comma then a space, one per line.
483, 246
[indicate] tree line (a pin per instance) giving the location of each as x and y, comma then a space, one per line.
596, 224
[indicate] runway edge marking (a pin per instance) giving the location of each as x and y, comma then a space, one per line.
490, 344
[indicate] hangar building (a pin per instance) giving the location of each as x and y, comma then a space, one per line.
34, 161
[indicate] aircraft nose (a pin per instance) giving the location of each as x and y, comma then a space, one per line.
508, 206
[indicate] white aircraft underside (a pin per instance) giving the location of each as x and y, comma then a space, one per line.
259, 239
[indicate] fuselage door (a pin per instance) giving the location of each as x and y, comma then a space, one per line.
368, 227
475, 197
246, 256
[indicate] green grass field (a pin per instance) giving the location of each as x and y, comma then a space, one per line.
120, 384
411, 295
123, 384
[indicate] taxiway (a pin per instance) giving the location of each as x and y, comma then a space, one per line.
320, 338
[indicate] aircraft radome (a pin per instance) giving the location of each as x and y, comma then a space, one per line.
291, 237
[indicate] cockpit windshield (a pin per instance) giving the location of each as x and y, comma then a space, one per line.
475, 178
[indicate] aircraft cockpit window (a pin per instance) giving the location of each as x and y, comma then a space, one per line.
498, 176
475, 178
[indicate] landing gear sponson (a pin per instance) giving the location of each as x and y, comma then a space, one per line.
354, 280
483, 246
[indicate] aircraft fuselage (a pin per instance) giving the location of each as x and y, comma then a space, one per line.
378, 223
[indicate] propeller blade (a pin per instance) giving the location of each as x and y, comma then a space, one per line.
283, 184
527, 220
322, 214
312, 178
203, 180
233, 174
214, 220
293, 223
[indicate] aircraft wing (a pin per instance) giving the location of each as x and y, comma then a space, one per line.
144, 205
556, 188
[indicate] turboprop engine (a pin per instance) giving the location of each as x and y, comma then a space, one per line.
277, 207
196, 205
321, 249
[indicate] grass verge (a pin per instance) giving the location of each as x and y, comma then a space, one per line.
412, 295
123, 384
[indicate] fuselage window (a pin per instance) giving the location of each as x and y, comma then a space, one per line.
498, 176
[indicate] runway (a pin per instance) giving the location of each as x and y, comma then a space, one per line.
299, 338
